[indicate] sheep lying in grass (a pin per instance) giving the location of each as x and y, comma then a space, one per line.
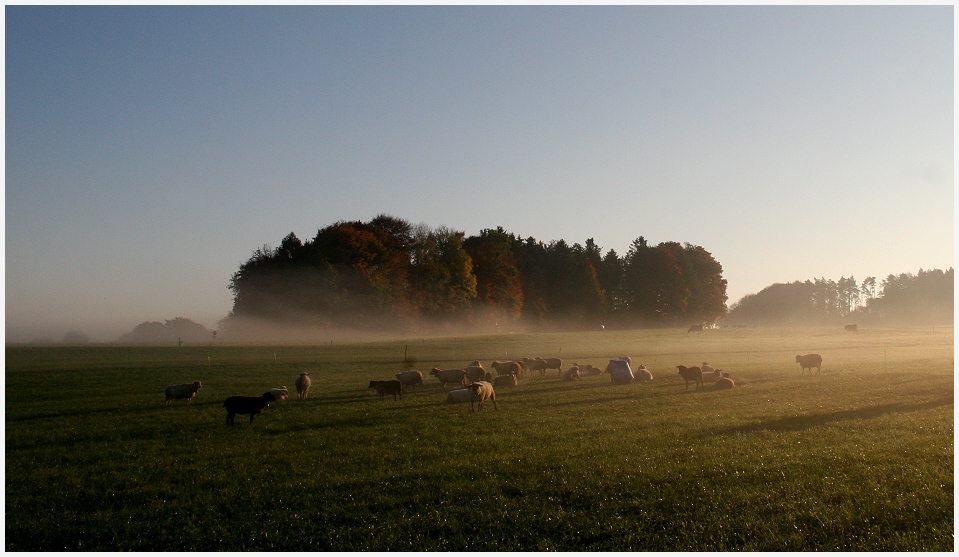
281, 393
185, 390
588, 370
252, 405
724, 382
504, 381
693, 374
642, 374
572, 374
302, 384
459, 395
482, 391
392, 387
410, 378
710, 373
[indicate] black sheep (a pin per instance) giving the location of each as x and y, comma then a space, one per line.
251, 405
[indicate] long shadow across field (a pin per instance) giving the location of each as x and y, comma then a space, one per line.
798, 423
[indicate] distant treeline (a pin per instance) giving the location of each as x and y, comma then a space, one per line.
925, 298
178, 329
387, 272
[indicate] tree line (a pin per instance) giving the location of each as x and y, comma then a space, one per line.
387, 272
925, 298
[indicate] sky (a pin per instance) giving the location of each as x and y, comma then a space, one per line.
151, 150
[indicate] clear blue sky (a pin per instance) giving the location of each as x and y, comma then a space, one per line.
150, 150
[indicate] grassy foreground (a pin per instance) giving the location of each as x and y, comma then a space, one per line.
859, 458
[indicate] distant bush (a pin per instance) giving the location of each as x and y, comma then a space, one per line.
176, 330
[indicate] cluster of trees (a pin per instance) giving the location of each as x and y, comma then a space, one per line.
179, 329
385, 272
925, 298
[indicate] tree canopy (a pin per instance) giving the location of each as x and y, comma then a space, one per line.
386, 272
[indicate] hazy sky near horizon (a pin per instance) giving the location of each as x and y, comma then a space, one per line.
151, 150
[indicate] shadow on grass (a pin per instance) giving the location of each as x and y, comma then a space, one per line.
798, 423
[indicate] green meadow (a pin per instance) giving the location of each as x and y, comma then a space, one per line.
858, 458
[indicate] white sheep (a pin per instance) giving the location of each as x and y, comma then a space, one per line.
411, 378
302, 384
185, 390
280, 393
482, 391
642, 374
571, 374
459, 395
724, 382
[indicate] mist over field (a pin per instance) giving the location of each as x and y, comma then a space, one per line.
152, 149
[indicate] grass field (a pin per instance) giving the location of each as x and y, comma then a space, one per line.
859, 458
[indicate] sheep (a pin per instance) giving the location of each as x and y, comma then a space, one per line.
392, 387
554, 363
450, 375
572, 374
459, 395
482, 391
627, 359
535, 364
302, 384
810, 361
280, 393
619, 372
505, 381
410, 378
724, 382
475, 373
505, 368
694, 329
185, 390
588, 369
642, 374
693, 374
475, 363
710, 373
252, 405
852, 328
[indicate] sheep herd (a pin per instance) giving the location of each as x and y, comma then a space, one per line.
476, 384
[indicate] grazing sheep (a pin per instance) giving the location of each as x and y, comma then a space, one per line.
482, 391
459, 395
252, 405
619, 372
302, 384
588, 369
642, 374
810, 361
475, 363
185, 390
852, 328
572, 374
475, 373
693, 374
410, 378
554, 363
724, 382
446, 376
505, 381
392, 387
694, 329
535, 364
280, 393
